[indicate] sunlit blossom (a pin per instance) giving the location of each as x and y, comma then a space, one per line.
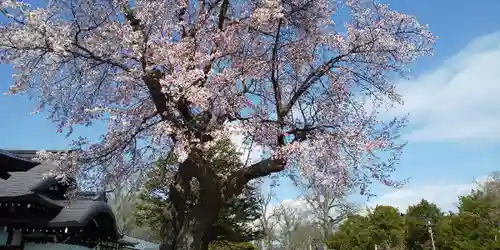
166, 78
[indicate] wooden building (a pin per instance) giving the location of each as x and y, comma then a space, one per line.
10, 162
35, 213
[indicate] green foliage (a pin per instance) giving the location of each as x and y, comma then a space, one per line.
387, 226
418, 237
384, 227
354, 234
153, 200
476, 225
224, 245
231, 225
443, 231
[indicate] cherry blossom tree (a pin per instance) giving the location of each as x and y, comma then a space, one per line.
180, 75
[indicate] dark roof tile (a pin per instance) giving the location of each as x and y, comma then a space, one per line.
10, 162
28, 154
78, 211
21, 183
141, 244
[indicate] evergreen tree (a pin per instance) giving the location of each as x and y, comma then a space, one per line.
387, 227
232, 229
475, 226
384, 227
418, 237
443, 232
354, 233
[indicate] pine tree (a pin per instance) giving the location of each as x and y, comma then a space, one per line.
232, 227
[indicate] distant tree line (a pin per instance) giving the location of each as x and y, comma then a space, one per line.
475, 225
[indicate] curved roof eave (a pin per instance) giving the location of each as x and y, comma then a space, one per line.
80, 213
103, 208
10, 162
33, 197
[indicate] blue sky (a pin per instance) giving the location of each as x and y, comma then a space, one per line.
454, 134
454, 130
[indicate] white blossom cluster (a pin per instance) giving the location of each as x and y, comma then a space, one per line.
166, 74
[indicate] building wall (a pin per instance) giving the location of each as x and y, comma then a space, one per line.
35, 246
142, 244
53, 246
3, 237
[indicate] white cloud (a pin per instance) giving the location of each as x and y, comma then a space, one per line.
445, 196
458, 100
249, 153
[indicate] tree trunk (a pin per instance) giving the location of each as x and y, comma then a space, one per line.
177, 214
213, 193
269, 243
205, 245
325, 233
182, 218
176, 226
205, 216
176, 239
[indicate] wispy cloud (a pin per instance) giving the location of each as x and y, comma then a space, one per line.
445, 196
250, 152
458, 100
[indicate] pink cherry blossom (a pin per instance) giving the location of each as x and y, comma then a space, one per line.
180, 74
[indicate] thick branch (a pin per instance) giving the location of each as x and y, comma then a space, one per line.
223, 10
274, 69
239, 178
152, 81
300, 134
151, 77
276, 86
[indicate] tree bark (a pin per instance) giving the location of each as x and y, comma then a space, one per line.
175, 228
181, 217
209, 206
202, 225
213, 193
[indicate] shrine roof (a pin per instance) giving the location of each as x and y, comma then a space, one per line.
10, 162
33, 186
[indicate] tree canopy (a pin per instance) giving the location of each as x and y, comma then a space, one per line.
382, 227
475, 224
354, 233
178, 76
387, 227
416, 219
143, 69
